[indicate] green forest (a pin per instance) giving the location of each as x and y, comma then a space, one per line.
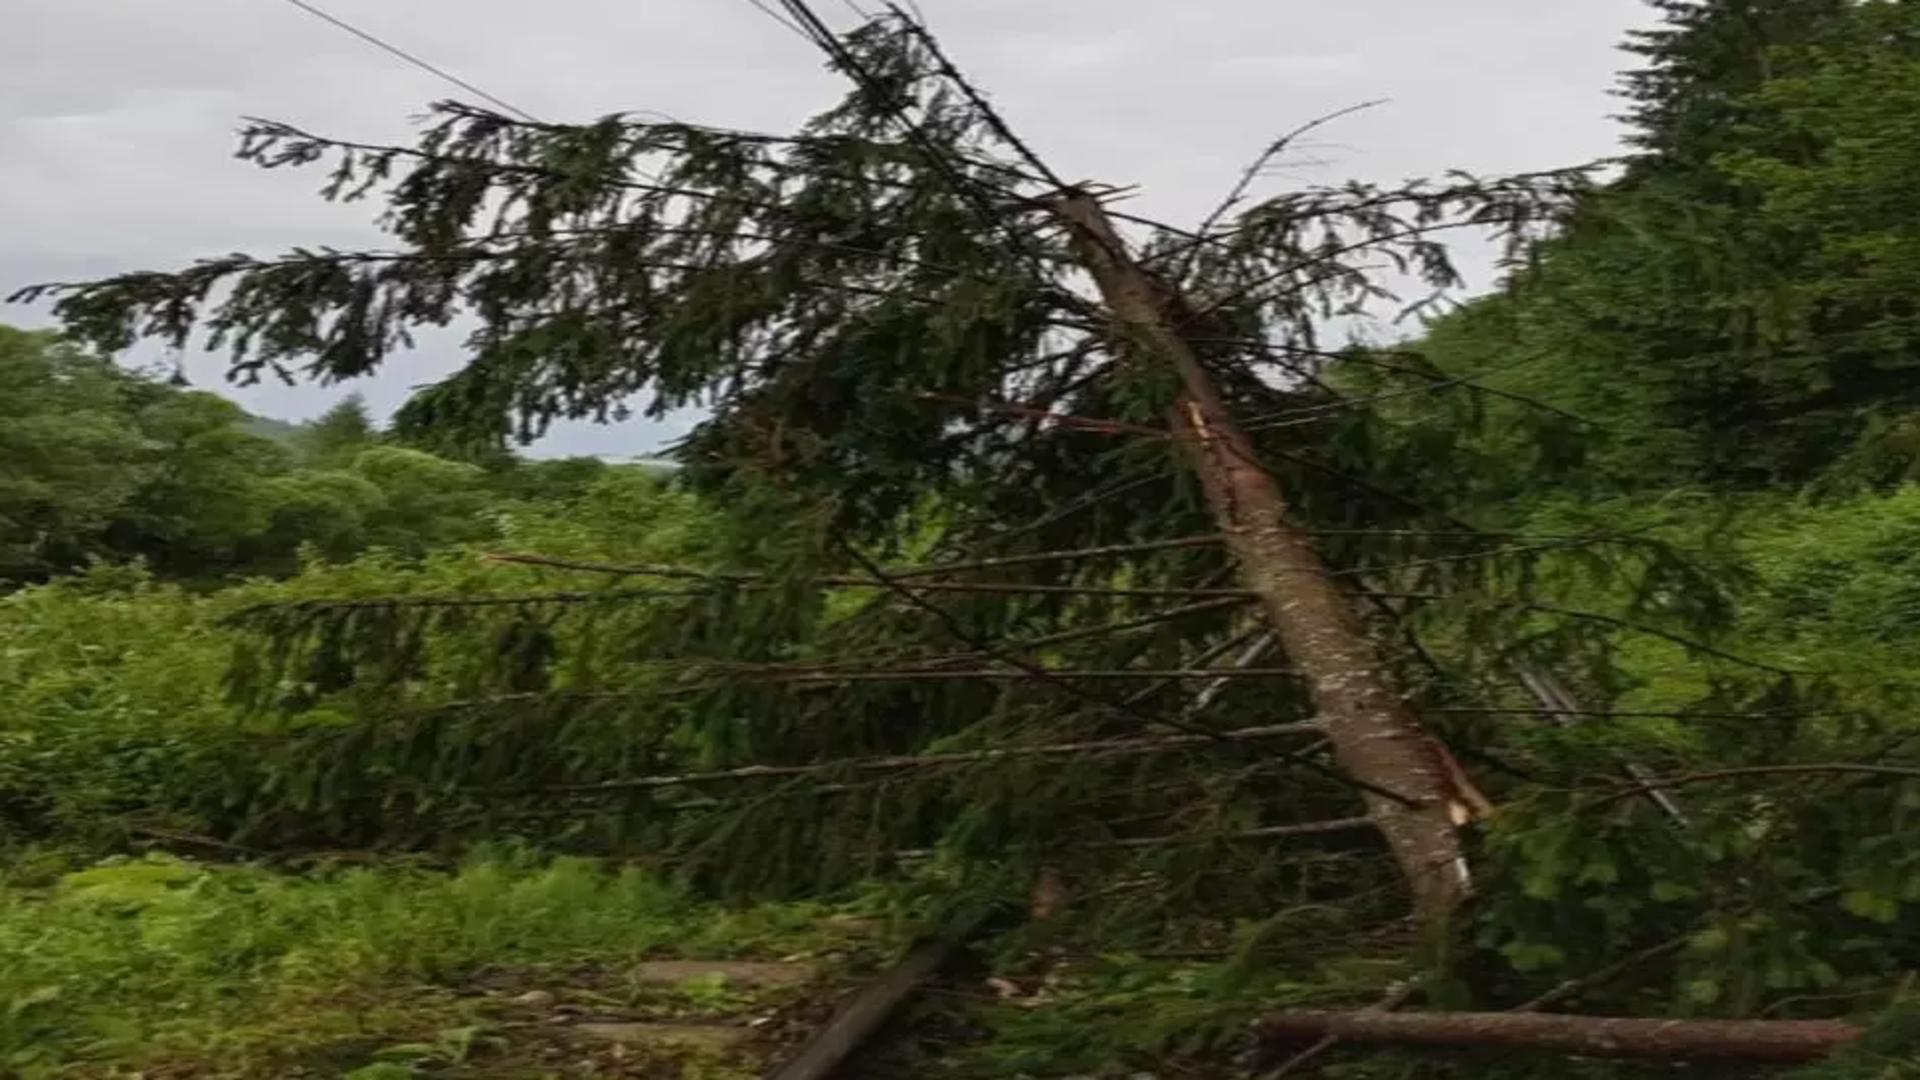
1064, 648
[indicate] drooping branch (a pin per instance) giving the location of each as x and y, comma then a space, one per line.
854, 582
1036, 673
1265, 832
1641, 786
1209, 540
1153, 744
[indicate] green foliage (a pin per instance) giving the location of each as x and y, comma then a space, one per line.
142, 958
66, 453
114, 714
1736, 309
102, 464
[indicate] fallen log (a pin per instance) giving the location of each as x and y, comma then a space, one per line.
1586, 1036
863, 1014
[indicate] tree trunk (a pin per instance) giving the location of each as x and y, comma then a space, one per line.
1588, 1036
1415, 793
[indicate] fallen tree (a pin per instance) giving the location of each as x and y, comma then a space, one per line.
1587, 1036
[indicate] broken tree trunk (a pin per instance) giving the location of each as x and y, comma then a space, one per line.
1588, 1036
1415, 792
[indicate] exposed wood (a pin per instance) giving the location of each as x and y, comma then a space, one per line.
1377, 739
1587, 1036
863, 1014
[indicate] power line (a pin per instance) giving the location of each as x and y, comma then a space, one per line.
423, 65
781, 19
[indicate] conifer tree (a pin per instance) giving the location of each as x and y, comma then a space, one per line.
1053, 544
341, 431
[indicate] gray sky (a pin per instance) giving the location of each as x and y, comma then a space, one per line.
116, 116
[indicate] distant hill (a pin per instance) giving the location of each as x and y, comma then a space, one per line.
653, 463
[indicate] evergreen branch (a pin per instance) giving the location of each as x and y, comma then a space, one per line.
1155, 223
1044, 417
1681, 640
1059, 638
1124, 708
849, 582
1033, 672
1241, 292
1642, 786
1084, 502
1571, 987
385, 603
1371, 488
953, 625
210, 271
1310, 413
1205, 658
1559, 544
1552, 693
683, 129
1208, 540
1309, 828
261, 127
1251, 173
1269, 832
647, 229
981, 107
1366, 357
964, 185
1153, 744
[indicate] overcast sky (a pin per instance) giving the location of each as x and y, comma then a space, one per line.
116, 116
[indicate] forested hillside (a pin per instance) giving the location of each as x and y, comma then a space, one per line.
1525, 689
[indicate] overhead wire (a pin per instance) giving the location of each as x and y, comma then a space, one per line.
386, 46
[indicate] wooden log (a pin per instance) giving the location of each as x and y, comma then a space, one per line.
1586, 1036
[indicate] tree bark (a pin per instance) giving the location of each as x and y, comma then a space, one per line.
1587, 1036
1414, 791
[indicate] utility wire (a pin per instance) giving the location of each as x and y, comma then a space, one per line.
781, 19
423, 65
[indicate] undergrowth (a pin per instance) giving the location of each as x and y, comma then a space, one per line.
155, 957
